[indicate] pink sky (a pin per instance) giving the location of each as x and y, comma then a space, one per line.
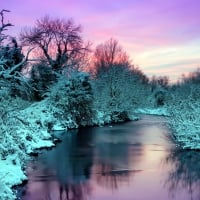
161, 37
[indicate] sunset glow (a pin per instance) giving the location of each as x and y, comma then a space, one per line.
161, 37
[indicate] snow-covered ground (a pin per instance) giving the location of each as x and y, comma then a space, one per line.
153, 111
28, 129
10, 175
25, 131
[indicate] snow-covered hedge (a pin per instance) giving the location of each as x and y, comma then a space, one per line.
184, 118
74, 99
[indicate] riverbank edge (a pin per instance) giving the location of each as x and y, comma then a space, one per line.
13, 168
15, 174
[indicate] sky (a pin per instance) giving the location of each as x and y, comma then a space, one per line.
162, 37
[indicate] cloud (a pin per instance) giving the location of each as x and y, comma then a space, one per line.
171, 61
156, 33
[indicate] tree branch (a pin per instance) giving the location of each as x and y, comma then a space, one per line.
7, 73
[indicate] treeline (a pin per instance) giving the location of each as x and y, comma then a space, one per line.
55, 50
88, 86
51, 79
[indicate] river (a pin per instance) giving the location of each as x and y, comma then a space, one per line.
130, 161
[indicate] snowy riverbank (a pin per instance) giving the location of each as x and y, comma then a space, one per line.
185, 123
162, 111
183, 119
28, 129
24, 132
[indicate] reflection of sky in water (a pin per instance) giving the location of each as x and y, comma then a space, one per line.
135, 160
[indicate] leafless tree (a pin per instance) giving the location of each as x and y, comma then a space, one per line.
59, 41
108, 54
119, 84
3, 26
111, 65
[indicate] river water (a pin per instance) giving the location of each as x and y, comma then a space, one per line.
128, 161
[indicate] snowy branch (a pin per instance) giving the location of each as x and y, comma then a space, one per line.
8, 73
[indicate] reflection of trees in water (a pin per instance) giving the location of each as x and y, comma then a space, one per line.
80, 161
49, 188
111, 157
63, 173
186, 172
115, 156
78, 191
112, 165
109, 177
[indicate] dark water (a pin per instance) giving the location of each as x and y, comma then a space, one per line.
131, 161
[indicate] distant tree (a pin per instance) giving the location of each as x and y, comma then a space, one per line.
138, 76
111, 65
163, 81
160, 90
109, 54
159, 82
118, 82
58, 40
192, 78
188, 86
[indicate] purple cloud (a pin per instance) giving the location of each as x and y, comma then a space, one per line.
140, 26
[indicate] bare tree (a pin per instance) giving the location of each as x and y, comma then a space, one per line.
112, 67
3, 26
59, 41
119, 84
108, 54
160, 82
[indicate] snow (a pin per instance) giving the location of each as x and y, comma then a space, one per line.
10, 175
26, 126
28, 129
25, 131
153, 111
185, 123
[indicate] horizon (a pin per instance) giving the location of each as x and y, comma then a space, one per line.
161, 38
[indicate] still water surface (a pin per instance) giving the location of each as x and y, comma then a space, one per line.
130, 161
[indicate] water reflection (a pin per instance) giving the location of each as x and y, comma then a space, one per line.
63, 172
113, 152
114, 163
185, 173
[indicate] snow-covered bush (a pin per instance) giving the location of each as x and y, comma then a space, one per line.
184, 119
160, 97
9, 108
23, 128
74, 98
118, 91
